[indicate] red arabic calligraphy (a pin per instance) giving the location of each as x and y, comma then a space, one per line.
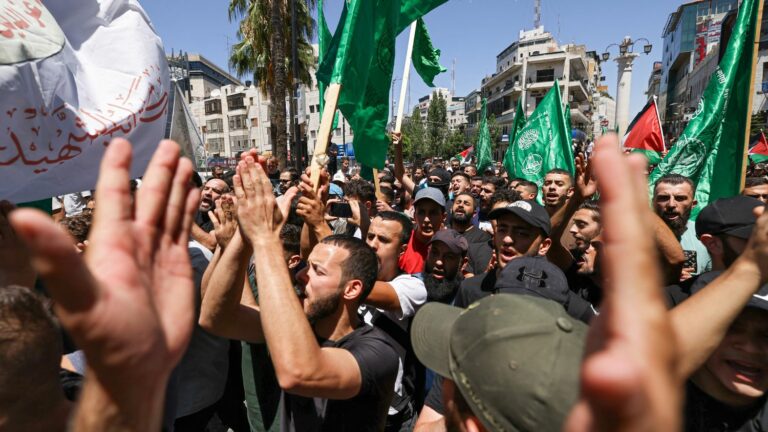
17, 18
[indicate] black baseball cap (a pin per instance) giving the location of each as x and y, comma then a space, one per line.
528, 210
758, 300
455, 241
731, 216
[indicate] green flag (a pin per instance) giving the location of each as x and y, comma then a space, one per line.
567, 119
324, 41
483, 146
426, 58
543, 144
361, 58
710, 151
517, 126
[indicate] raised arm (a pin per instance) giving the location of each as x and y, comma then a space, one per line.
400, 175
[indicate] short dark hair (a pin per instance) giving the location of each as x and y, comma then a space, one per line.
755, 181
30, 342
290, 235
497, 182
361, 264
561, 172
505, 195
345, 159
531, 186
470, 196
674, 179
461, 174
293, 172
406, 225
476, 178
388, 192
360, 189
78, 226
594, 206
387, 178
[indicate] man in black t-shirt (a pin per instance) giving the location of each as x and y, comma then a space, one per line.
336, 372
479, 250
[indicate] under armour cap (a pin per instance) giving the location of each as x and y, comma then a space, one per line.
528, 210
515, 359
432, 194
732, 216
455, 241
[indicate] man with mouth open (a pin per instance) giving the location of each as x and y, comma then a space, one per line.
673, 200
556, 190
429, 215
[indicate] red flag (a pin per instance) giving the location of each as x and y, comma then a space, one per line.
644, 133
759, 152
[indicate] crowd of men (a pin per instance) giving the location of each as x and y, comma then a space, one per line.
445, 300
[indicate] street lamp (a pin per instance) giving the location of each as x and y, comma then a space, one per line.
624, 81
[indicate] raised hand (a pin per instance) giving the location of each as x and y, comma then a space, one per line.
224, 218
586, 185
629, 379
15, 264
129, 302
257, 212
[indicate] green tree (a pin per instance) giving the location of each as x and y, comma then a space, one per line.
264, 50
454, 143
437, 121
494, 129
414, 136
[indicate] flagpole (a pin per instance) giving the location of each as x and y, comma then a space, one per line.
755, 47
319, 158
379, 196
404, 81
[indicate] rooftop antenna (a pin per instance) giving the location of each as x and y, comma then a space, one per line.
537, 13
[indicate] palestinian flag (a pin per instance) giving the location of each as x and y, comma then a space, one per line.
759, 152
644, 134
464, 157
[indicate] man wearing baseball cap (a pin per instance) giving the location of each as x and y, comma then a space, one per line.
429, 215
522, 229
510, 362
442, 271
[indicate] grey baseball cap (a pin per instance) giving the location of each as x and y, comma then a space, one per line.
430, 193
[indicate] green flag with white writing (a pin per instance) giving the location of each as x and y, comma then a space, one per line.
517, 125
483, 146
425, 57
361, 58
324, 41
543, 144
710, 151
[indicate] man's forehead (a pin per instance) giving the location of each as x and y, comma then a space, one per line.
557, 177
672, 189
328, 255
584, 214
756, 187
216, 183
384, 227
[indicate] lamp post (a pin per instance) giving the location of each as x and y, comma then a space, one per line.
624, 80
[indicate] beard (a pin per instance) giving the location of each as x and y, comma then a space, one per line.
678, 225
462, 218
323, 307
442, 291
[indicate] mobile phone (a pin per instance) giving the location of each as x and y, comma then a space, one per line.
690, 259
340, 209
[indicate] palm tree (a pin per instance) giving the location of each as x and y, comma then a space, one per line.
264, 50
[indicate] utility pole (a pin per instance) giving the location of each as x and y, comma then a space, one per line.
536, 14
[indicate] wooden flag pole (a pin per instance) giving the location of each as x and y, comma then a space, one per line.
406, 76
755, 48
379, 196
320, 156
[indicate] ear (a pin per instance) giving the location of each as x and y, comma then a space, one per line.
570, 192
713, 244
293, 261
544, 246
403, 248
353, 290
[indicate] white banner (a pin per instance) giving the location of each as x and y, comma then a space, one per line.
73, 75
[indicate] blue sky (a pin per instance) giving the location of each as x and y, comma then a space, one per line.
471, 31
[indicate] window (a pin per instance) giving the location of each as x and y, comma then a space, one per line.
545, 75
213, 107
538, 100
238, 142
215, 145
313, 134
236, 101
254, 122
237, 122
311, 109
337, 132
215, 125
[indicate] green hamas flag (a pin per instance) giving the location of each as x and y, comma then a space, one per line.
483, 146
426, 58
517, 126
324, 41
361, 58
567, 119
543, 144
710, 150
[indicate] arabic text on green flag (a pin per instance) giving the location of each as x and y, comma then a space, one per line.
710, 149
483, 147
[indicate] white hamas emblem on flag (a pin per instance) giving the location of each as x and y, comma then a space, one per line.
692, 153
699, 109
528, 138
532, 164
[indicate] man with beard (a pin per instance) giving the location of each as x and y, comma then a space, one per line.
476, 186
522, 229
479, 248
455, 165
442, 271
346, 370
490, 186
394, 300
212, 190
471, 170
288, 178
673, 201
556, 190
429, 213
